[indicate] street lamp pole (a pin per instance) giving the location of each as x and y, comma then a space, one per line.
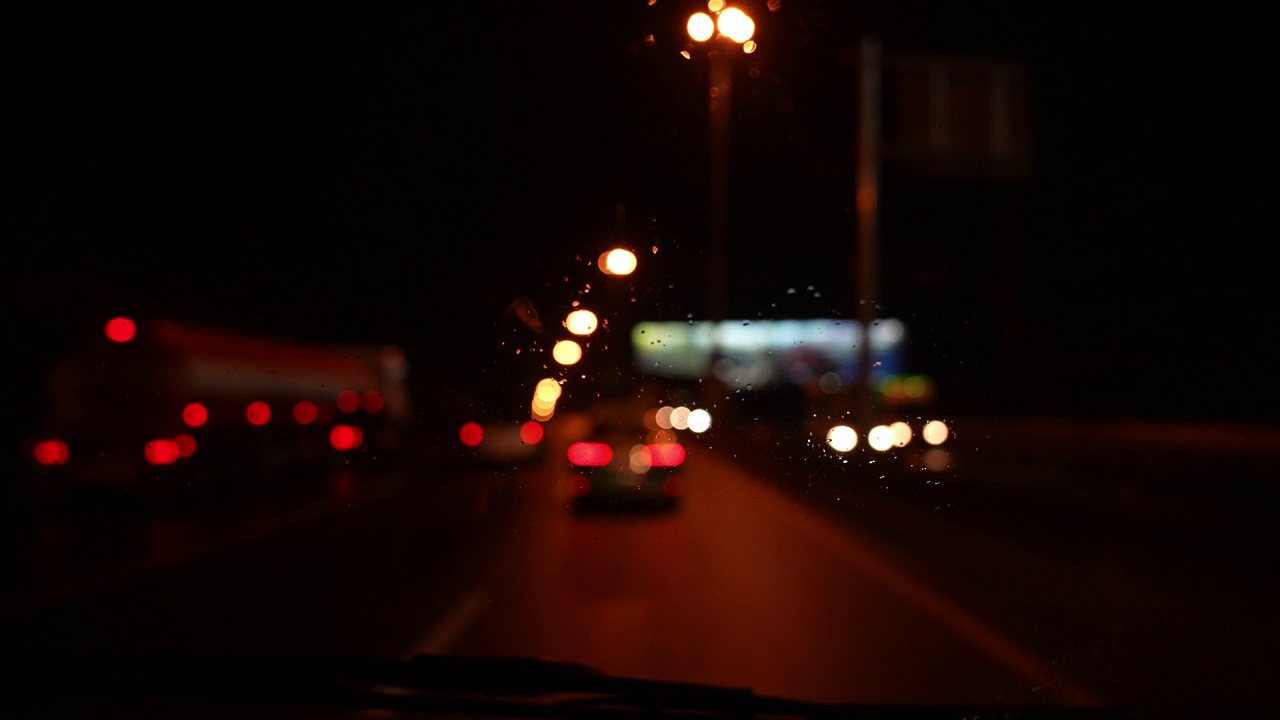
719, 105
729, 29
867, 197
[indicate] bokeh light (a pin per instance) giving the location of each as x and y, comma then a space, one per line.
186, 445
531, 433
620, 262
581, 322
901, 433
880, 438
842, 438
567, 352
700, 26
162, 452
736, 25
258, 413
680, 418
348, 401
345, 437
935, 432
52, 452
471, 434
120, 329
305, 412
372, 401
195, 414
547, 390
699, 420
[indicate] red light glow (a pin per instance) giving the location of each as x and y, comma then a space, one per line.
186, 445
305, 412
120, 329
531, 433
348, 401
52, 452
345, 437
258, 413
371, 401
195, 414
589, 454
162, 452
666, 454
471, 434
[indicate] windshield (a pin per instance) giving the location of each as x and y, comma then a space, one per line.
843, 352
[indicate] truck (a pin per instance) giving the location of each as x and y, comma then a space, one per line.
163, 404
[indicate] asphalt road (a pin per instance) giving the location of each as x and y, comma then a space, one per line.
757, 579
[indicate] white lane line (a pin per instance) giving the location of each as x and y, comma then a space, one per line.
454, 624
843, 543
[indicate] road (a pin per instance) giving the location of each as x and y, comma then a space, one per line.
757, 580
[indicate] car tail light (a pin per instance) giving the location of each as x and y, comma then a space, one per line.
590, 454
471, 434
666, 454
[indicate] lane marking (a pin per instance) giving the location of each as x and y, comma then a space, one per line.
842, 542
453, 625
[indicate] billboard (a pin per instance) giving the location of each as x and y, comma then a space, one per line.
754, 354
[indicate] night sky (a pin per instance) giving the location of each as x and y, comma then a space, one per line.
404, 174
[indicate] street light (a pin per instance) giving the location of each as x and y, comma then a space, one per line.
724, 27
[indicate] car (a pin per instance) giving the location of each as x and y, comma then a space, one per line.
623, 464
502, 441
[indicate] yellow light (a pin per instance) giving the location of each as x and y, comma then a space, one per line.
699, 420
736, 25
842, 438
715, 5
581, 322
567, 352
548, 390
880, 438
619, 262
700, 26
935, 432
901, 433
541, 415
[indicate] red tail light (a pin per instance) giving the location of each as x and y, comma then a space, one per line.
666, 454
51, 452
531, 433
471, 434
162, 452
589, 454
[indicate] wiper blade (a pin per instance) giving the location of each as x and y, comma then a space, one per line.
478, 686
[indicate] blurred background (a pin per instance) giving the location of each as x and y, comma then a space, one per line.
1052, 209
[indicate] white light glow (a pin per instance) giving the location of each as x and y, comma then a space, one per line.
699, 420
880, 438
842, 438
935, 432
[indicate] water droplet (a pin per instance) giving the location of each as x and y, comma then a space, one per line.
791, 291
